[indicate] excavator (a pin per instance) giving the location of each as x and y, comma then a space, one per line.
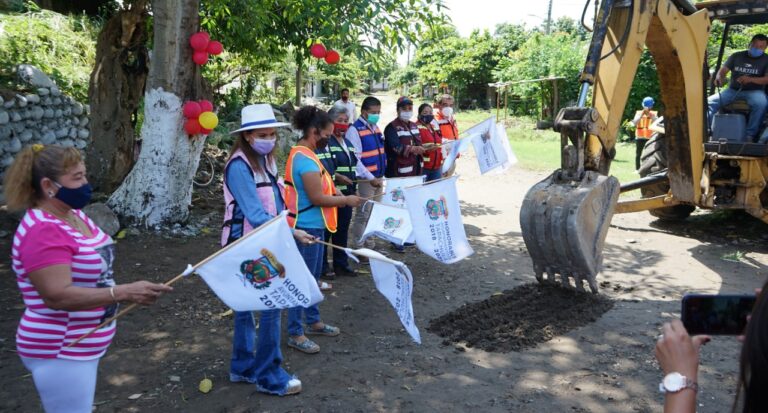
565, 218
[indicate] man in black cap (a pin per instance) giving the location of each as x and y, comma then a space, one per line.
403, 143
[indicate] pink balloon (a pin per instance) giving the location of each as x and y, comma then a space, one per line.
200, 58
215, 48
192, 127
199, 41
317, 50
192, 110
206, 106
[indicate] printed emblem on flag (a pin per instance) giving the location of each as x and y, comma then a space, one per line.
437, 208
392, 223
260, 271
397, 195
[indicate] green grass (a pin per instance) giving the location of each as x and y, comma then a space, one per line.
539, 150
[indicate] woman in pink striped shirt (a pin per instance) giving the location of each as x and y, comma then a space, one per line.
63, 266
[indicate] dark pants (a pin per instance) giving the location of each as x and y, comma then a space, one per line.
640, 144
340, 259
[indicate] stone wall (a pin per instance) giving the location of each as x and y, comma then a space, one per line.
39, 113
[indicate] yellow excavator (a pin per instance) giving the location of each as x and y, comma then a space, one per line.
565, 218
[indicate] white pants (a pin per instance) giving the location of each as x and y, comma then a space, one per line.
360, 219
64, 386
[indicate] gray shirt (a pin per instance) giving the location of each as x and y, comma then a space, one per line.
742, 64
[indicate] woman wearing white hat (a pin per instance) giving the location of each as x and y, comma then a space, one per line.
253, 194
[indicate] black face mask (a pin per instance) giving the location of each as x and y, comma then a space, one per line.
427, 118
323, 142
76, 198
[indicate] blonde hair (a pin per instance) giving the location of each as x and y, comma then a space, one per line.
35, 162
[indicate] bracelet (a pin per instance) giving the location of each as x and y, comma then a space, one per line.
112, 293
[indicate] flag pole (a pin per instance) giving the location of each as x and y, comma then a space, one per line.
190, 269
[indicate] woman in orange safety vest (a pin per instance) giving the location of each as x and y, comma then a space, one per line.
311, 199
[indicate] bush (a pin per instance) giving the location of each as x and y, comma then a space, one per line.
64, 47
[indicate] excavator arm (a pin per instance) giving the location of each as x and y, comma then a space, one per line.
565, 218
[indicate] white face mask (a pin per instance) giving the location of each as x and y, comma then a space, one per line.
406, 116
447, 111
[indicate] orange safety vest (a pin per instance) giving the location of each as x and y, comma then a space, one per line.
643, 130
448, 127
330, 217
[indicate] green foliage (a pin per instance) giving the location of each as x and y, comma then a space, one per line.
541, 56
62, 46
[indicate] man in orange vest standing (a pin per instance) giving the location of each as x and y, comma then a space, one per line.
446, 123
642, 121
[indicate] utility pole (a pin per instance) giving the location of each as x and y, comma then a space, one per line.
549, 18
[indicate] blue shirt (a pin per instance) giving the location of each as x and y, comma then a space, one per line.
239, 180
309, 216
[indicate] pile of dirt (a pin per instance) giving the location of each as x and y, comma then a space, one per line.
519, 318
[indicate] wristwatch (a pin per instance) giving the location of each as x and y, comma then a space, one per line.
675, 382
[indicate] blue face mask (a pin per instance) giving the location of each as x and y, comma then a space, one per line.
373, 118
755, 52
76, 198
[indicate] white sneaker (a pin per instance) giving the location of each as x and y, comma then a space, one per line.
293, 387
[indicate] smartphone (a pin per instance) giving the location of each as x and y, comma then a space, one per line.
723, 314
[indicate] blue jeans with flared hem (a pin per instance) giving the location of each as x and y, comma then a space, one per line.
257, 360
313, 257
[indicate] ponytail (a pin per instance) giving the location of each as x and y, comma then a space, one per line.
21, 183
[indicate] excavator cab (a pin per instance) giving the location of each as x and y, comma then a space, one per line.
565, 218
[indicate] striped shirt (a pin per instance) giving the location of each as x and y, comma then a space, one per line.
41, 241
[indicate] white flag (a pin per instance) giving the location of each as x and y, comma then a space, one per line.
456, 147
393, 189
262, 271
488, 146
395, 282
389, 223
511, 158
436, 220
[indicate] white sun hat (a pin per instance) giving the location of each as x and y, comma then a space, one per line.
258, 117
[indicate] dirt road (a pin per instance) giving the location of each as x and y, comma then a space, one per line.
161, 353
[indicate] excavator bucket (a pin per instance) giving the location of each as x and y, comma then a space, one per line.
564, 224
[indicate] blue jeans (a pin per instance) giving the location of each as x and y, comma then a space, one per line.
313, 257
756, 100
433, 174
258, 360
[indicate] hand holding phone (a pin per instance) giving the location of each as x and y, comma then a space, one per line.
724, 314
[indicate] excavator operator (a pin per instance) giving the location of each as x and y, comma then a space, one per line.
748, 81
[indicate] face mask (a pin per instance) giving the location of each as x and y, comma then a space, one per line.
755, 52
344, 98
406, 116
76, 198
373, 118
339, 129
263, 146
447, 111
427, 118
323, 142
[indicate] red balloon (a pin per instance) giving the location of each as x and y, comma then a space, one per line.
205, 106
192, 126
318, 50
199, 41
192, 110
332, 57
205, 131
200, 58
215, 48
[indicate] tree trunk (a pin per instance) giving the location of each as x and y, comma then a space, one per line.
158, 190
114, 93
299, 86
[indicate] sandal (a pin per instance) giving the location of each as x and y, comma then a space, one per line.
307, 346
324, 286
327, 330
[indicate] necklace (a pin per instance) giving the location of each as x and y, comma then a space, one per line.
70, 219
